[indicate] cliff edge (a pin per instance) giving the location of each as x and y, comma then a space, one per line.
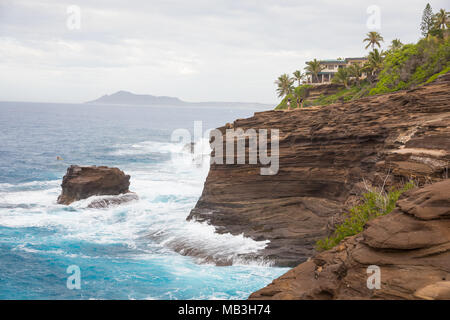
327, 156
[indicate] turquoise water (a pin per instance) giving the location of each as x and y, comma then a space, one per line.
123, 252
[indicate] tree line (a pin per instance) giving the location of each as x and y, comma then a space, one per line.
432, 25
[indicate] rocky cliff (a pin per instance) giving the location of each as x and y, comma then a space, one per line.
327, 156
410, 246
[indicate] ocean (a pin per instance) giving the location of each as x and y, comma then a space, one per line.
125, 251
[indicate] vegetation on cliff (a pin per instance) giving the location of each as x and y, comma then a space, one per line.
413, 64
396, 68
374, 204
407, 248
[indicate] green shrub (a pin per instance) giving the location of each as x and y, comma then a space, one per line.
413, 65
374, 204
434, 76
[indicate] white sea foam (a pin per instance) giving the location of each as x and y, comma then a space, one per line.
45, 197
167, 192
59, 252
146, 147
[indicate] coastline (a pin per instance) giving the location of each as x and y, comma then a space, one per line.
328, 156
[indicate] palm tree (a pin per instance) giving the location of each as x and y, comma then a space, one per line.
355, 71
313, 68
368, 69
375, 63
285, 85
299, 76
341, 76
373, 38
396, 44
441, 19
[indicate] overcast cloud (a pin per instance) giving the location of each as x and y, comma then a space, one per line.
197, 50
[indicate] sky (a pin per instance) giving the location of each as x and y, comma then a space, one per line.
197, 50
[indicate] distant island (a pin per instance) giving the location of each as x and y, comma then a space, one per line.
129, 98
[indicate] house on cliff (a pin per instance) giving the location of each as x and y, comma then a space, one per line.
330, 67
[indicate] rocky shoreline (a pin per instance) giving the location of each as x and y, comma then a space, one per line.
328, 157
410, 246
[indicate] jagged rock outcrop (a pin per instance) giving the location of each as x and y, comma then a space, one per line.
84, 182
411, 247
327, 156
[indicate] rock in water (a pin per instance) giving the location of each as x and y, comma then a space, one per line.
84, 182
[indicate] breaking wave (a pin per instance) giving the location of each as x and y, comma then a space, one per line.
167, 192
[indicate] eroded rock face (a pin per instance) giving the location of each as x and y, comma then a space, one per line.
324, 89
83, 182
327, 155
411, 246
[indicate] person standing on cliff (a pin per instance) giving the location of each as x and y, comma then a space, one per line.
289, 104
298, 103
301, 102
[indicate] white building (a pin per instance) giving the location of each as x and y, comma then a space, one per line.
330, 67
